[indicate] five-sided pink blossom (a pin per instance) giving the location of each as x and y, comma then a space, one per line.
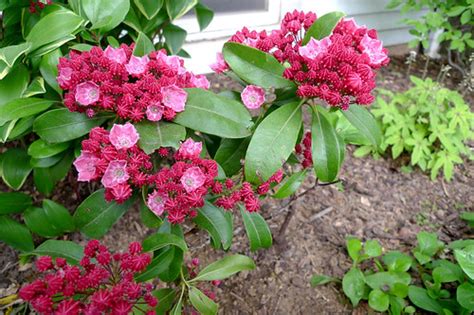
85, 165
352, 25
123, 136
315, 47
137, 65
220, 65
190, 149
192, 179
116, 173
174, 97
156, 202
87, 93
115, 54
64, 76
200, 81
374, 49
154, 112
253, 96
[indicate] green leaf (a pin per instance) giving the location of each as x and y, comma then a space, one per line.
372, 248
154, 135
95, 216
291, 185
160, 240
397, 261
61, 125
363, 120
36, 87
13, 85
465, 296
22, 126
323, 26
15, 234
446, 271
16, 167
218, 223
49, 68
159, 265
165, 297
353, 285
105, 14
178, 8
428, 246
178, 307
257, 229
378, 300
230, 153
37, 221
320, 280
354, 248
204, 15
53, 28
14, 202
175, 37
143, 45
71, 251
201, 302
420, 298
465, 258
6, 130
218, 115
150, 219
386, 280
58, 216
255, 66
40, 149
149, 8
272, 143
328, 148
9, 55
23, 107
225, 268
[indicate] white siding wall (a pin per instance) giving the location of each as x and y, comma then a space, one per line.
373, 13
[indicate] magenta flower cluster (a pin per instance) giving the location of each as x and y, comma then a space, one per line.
102, 284
135, 88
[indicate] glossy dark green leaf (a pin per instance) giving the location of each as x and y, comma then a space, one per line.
14, 84
159, 265
255, 66
363, 120
291, 185
201, 302
174, 269
58, 215
328, 148
154, 135
95, 216
225, 268
257, 229
420, 298
61, 125
105, 14
272, 143
36, 87
323, 26
49, 68
15, 234
37, 221
16, 167
160, 240
178, 8
217, 223
14, 202
40, 149
165, 297
71, 251
465, 296
23, 107
353, 285
149, 8
9, 55
175, 37
204, 15
217, 115
230, 154
43, 181
143, 45
6, 130
46, 162
379, 300
22, 126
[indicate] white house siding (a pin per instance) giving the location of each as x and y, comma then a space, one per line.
203, 46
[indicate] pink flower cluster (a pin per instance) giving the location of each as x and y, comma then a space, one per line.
135, 88
102, 284
37, 5
303, 150
115, 158
339, 69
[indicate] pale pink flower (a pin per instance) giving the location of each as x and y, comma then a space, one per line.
156, 202
87, 93
123, 136
192, 179
374, 49
220, 65
253, 96
174, 97
190, 149
116, 173
200, 81
85, 166
115, 54
137, 65
315, 47
64, 75
154, 112
176, 63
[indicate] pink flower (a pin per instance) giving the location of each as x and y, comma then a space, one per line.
192, 179
315, 47
64, 76
87, 93
115, 54
351, 26
154, 112
123, 136
220, 65
374, 49
200, 81
190, 149
85, 164
174, 97
116, 173
253, 96
156, 202
137, 65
